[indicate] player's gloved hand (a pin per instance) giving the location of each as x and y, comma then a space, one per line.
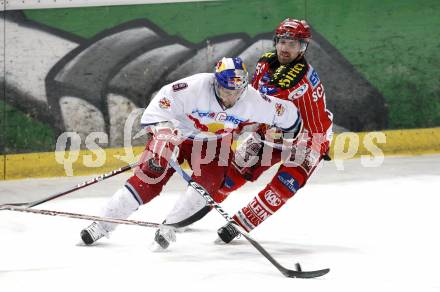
276, 137
247, 155
164, 145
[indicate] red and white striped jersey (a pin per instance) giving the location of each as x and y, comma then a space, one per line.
298, 82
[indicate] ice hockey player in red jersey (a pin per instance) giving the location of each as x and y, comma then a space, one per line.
194, 119
283, 73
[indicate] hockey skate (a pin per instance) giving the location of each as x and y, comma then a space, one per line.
93, 233
162, 239
227, 233
121, 205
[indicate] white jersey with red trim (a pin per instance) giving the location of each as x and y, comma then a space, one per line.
193, 107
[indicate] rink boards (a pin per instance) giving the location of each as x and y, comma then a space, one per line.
344, 146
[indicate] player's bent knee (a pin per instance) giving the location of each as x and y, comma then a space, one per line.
141, 190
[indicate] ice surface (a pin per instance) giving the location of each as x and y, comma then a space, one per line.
376, 228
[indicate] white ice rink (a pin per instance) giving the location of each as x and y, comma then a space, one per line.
377, 229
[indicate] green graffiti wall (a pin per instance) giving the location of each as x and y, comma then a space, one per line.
83, 69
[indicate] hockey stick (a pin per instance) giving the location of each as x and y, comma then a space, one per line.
82, 216
286, 272
75, 188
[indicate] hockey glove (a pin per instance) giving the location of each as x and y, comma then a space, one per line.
164, 145
247, 155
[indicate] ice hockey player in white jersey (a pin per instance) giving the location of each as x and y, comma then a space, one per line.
194, 119
283, 73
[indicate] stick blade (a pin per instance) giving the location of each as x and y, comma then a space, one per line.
305, 274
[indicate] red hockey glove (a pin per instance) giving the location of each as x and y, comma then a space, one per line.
164, 145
